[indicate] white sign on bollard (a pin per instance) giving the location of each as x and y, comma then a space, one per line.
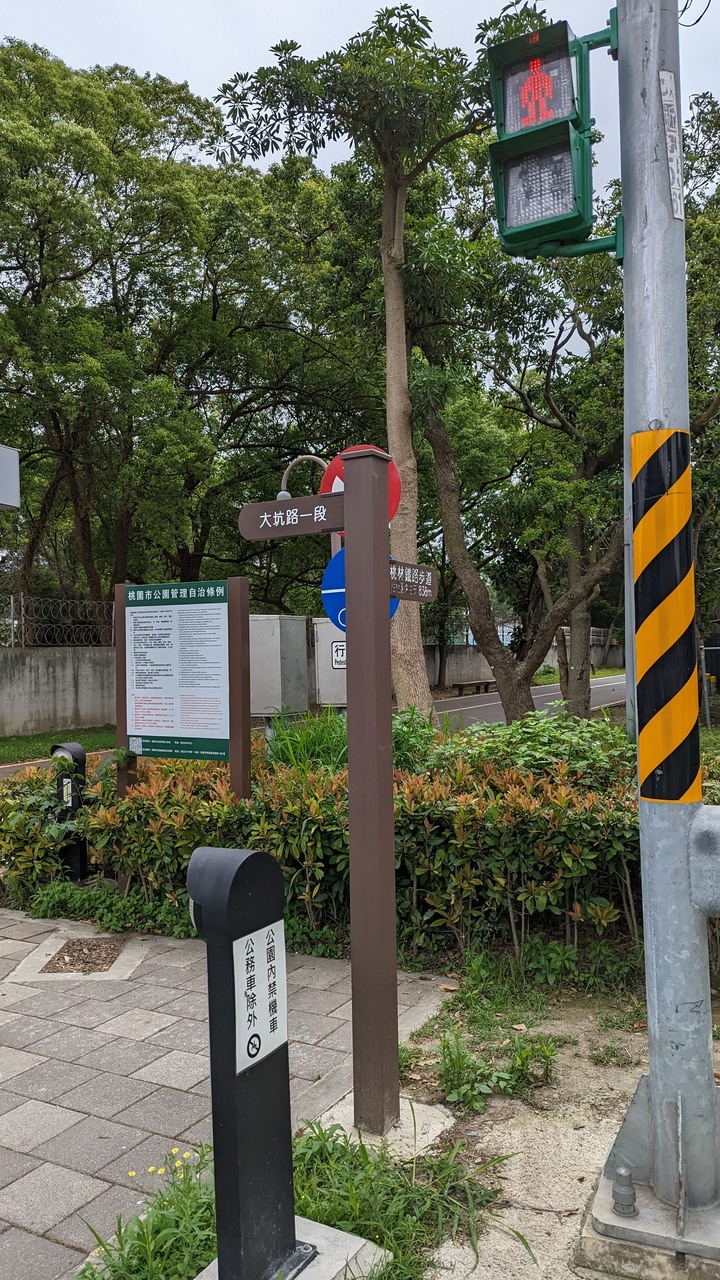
260, 995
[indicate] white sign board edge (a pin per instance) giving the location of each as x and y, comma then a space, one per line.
260, 994
9, 478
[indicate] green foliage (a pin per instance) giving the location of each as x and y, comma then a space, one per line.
546, 675
32, 834
309, 741
632, 1016
550, 964
408, 1207
595, 750
174, 1238
467, 1081
413, 740
478, 850
112, 911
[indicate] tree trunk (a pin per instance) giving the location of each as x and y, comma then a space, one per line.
560, 644
35, 535
513, 678
578, 694
77, 488
410, 680
442, 654
563, 664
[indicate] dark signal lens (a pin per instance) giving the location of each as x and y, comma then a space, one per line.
539, 185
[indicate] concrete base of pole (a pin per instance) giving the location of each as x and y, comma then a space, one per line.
652, 1235
679, 1231
338, 1254
599, 1255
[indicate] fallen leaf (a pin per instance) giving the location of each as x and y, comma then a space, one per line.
447, 986
519, 1026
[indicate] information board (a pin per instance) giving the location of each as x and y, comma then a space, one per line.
178, 695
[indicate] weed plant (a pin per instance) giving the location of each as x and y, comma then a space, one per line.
320, 741
613, 1054
632, 1017
407, 1207
174, 1239
467, 1081
408, 1057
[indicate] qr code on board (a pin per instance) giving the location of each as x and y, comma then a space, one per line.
135, 744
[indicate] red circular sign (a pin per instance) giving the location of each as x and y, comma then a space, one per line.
334, 479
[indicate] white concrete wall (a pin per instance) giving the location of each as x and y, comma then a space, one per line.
63, 688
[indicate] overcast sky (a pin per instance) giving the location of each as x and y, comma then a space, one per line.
205, 42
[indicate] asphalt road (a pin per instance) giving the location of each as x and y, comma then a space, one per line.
606, 692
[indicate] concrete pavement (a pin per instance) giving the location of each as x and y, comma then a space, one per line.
101, 1077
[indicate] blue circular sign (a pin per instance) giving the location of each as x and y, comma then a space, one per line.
332, 588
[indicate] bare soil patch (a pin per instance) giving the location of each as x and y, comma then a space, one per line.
85, 955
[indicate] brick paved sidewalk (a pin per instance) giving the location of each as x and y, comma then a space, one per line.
100, 1076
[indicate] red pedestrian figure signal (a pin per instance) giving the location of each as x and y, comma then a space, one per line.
536, 94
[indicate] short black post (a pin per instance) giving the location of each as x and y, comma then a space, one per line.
70, 784
237, 902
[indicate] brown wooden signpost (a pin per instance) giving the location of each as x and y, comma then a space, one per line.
371, 580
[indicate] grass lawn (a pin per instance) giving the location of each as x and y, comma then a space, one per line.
36, 746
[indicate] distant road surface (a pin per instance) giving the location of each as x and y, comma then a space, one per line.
605, 692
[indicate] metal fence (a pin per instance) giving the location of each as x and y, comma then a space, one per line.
28, 622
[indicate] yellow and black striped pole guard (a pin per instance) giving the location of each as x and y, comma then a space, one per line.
665, 653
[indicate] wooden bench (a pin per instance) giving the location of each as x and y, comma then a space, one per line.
474, 686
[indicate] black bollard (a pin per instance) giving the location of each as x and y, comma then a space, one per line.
70, 787
237, 905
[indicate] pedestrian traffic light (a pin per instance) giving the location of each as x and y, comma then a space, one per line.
541, 163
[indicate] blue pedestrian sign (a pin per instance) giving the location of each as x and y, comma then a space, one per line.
332, 588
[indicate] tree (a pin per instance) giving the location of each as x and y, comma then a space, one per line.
403, 104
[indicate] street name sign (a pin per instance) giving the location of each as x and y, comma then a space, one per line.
413, 582
292, 517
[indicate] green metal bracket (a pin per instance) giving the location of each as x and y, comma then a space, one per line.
607, 38
604, 244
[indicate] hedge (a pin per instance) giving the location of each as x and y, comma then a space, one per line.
478, 851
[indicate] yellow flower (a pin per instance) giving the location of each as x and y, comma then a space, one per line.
131, 1173
151, 1168
186, 1155
161, 1169
174, 1151
178, 1164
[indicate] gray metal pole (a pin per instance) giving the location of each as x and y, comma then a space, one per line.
656, 399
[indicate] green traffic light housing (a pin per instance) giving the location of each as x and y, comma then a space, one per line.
542, 162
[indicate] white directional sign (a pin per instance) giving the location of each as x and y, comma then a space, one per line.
260, 995
9, 479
